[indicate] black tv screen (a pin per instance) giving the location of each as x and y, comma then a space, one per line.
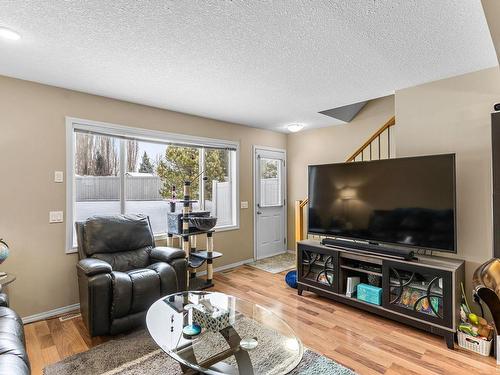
405, 201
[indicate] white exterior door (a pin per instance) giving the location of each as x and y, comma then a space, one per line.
270, 202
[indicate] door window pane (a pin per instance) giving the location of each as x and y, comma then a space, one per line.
270, 182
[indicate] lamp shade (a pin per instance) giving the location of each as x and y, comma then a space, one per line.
347, 193
4, 250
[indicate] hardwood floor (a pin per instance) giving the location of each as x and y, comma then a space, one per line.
362, 341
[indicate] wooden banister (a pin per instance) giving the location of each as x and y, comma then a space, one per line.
299, 219
364, 146
299, 222
300, 204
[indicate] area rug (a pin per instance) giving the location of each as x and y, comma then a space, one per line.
137, 353
276, 263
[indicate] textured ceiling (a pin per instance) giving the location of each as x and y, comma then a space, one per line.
257, 63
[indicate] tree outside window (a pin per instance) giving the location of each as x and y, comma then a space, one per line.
96, 155
146, 165
183, 164
216, 169
179, 164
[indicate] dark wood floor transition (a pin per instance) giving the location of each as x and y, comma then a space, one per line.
364, 342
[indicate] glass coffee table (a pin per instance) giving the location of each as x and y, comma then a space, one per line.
237, 336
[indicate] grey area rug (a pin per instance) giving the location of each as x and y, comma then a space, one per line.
137, 353
276, 263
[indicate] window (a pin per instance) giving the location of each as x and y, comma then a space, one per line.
114, 169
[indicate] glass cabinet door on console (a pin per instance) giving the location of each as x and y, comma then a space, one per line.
317, 268
424, 293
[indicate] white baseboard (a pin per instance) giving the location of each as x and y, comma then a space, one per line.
227, 267
50, 314
66, 309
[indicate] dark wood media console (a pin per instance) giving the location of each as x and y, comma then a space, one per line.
424, 293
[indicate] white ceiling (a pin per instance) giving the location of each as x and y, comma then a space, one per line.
257, 63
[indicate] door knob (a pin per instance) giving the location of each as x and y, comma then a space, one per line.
259, 212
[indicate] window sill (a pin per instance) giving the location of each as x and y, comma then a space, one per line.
72, 250
226, 228
164, 236
160, 236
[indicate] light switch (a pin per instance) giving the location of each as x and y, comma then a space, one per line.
56, 217
58, 176
244, 204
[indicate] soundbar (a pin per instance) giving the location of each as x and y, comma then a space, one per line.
356, 247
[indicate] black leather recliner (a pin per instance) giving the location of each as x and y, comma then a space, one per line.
121, 272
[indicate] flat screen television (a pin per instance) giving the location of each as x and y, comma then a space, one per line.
406, 201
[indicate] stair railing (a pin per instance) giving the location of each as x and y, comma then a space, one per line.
382, 137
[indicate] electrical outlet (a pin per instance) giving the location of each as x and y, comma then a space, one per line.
244, 204
56, 217
58, 176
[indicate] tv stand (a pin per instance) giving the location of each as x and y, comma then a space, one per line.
372, 248
423, 293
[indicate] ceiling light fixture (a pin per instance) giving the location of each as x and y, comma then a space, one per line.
294, 128
9, 34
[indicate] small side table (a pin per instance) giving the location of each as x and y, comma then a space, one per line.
7, 279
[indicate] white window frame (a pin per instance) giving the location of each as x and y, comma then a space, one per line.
115, 130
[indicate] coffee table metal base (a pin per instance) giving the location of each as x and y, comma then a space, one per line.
214, 363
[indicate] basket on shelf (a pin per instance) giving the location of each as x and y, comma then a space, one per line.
474, 344
203, 223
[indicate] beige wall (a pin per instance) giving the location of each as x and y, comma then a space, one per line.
32, 147
329, 145
492, 12
453, 115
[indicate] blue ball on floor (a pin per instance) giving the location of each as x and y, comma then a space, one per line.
291, 279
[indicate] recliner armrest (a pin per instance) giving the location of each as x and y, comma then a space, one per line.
91, 266
166, 254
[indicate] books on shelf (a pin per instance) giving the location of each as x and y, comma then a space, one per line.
325, 278
412, 296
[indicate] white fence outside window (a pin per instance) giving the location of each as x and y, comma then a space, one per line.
221, 202
143, 194
106, 188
